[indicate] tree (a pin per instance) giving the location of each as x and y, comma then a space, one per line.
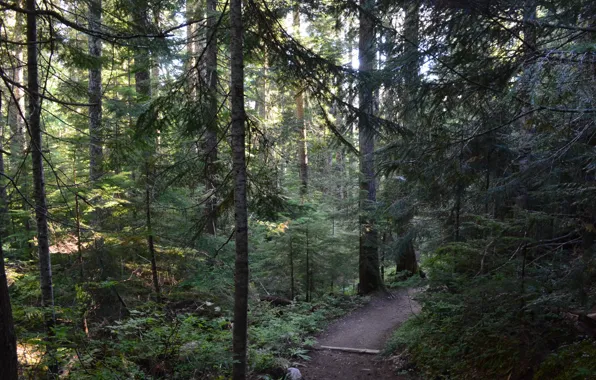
212, 119
370, 278
406, 257
8, 340
301, 125
143, 89
37, 155
16, 103
95, 92
16, 118
240, 178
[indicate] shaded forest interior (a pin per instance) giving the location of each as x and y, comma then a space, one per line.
193, 189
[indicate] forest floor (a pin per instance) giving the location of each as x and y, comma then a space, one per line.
366, 328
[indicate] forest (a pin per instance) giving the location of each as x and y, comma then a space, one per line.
197, 189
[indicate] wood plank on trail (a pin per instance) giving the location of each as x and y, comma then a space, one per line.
349, 349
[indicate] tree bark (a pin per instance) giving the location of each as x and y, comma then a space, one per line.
411, 68
3, 182
8, 340
212, 125
527, 128
240, 206
16, 109
263, 89
308, 278
41, 209
370, 278
292, 288
143, 89
406, 261
95, 98
16, 114
301, 125
79, 242
150, 243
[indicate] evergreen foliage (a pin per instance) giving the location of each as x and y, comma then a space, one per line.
472, 120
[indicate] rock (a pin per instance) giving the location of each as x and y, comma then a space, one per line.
294, 374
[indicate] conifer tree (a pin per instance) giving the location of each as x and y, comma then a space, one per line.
8, 341
211, 140
240, 179
370, 278
37, 155
95, 92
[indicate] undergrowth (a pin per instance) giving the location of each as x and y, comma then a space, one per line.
110, 331
495, 321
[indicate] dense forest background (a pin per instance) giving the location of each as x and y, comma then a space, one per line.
179, 175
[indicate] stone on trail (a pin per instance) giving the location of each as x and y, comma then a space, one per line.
293, 374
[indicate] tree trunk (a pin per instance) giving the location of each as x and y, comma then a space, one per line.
301, 125
526, 129
308, 279
79, 243
3, 182
212, 127
150, 242
143, 88
411, 68
370, 278
41, 209
240, 206
16, 109
16, 115
263, 88
292, 288
406, 261
8, 340
95, 130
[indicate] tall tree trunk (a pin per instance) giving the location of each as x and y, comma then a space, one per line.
16, 109
308, 279
370, 278
8, 340
527, 128
95, 129
240, 206
143, 89
79, 242
263, 88
16, 114
407, 260
411, 68
3, 182
292, 288
41, 209
301, 125
211, 132
150, 242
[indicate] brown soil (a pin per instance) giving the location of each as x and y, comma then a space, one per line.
368, 327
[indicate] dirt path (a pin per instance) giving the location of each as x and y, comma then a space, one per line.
368, 327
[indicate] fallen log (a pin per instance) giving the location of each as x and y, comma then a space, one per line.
354, 350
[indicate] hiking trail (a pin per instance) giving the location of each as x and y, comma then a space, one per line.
367, 328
